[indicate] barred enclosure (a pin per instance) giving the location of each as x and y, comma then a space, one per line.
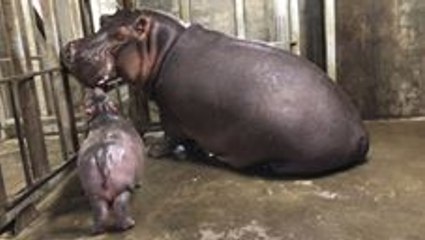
38, 131
372, 49
40, 119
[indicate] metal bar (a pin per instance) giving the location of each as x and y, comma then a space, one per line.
24, 41
86, 17
18, 128
33, 128
57, 116
330, 29
184, 10
128, 4
70, 110
6, 67
120, 101
28, 198
37, 43
27, 76
294, 26
240, 18
47, 9
3, 193
40, 182
282, 22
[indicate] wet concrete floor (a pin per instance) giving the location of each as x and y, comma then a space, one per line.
182, 200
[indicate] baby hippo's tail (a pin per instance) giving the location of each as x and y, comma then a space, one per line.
102, 164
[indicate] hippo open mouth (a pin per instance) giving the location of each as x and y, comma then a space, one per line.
93, 69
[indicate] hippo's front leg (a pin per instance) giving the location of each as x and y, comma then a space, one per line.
172, 137
101, 210
163, 147
121, 211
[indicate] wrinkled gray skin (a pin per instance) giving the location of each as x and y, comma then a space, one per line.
247, 103
109, 162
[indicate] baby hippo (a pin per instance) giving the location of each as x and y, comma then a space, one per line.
109, 162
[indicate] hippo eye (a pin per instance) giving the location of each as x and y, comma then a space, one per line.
119, 36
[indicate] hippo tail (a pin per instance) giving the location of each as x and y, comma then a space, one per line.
103, 168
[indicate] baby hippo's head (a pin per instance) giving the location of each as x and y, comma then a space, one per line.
97, 103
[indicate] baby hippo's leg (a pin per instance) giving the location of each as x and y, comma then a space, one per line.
121, 211
100, 209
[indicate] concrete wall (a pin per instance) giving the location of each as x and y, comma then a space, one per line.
381, 55
259, 20
312, 31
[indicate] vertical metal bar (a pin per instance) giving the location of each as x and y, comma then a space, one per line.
3, 193
33, 128
295, 26
86, 17
330, 28
240, 18
24, 43
184, 10
5, 52
58, 118
70, 110
34, 50
120, 101
44, 47
96, 12
282, 23
18, 128
62, 87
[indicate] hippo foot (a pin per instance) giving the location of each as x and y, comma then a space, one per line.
98, 229
160, 149
126, 224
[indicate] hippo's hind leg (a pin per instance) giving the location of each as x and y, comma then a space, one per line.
121, 211
101, 210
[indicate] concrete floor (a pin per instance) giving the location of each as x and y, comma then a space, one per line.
182, 200
10, 160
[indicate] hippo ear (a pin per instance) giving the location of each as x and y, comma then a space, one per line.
104, 19
141, 26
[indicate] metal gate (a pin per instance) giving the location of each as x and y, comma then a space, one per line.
38, 134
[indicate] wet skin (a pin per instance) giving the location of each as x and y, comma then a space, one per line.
109, 162
247, 103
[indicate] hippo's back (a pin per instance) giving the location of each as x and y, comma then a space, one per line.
248, 102
109, 160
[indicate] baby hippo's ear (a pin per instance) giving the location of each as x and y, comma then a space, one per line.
105, 20
142, 27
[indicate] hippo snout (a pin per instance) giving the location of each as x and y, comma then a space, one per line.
89, 60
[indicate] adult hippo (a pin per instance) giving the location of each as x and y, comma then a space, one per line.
247, 103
